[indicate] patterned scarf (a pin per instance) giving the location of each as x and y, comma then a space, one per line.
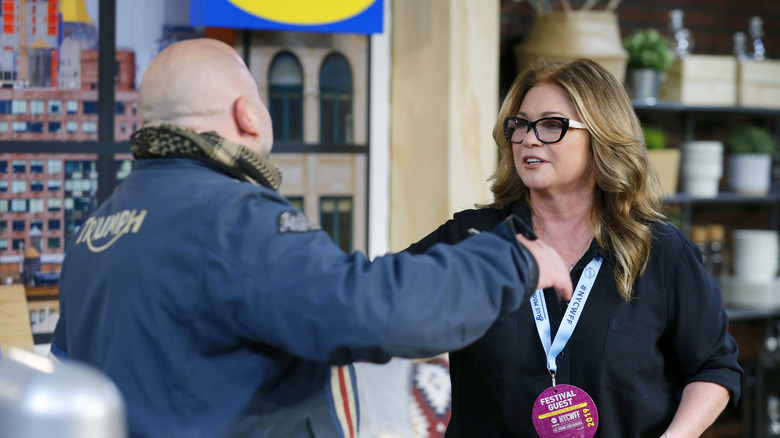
174, 141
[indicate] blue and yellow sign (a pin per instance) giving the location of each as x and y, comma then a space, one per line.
334, 16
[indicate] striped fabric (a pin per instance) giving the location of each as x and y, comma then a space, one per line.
342, 390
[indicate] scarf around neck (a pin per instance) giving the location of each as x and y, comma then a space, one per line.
168, 141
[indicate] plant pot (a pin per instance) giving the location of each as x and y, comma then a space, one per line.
642, 85
756, 255
750, 174
567, 36
702, 168
666, 163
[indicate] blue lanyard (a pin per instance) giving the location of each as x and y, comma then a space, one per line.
570, 318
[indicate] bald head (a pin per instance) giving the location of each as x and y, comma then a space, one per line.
203, 85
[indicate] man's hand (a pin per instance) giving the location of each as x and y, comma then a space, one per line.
553, 271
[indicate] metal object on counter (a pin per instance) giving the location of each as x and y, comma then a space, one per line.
42, 398
773, 413
757, 33
680, 36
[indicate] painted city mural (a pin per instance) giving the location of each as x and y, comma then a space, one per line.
315, 86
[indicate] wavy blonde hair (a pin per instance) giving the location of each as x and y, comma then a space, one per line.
627, 191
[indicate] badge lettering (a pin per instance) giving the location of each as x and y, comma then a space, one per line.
537, 308
565, 411
575, 304
295, 221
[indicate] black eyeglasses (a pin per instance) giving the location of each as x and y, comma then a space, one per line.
547, 129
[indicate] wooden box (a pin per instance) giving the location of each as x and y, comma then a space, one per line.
701, 80
758, 84
14, 319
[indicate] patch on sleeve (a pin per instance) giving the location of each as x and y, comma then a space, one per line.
294, 221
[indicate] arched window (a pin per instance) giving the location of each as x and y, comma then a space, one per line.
285, 91
335, 100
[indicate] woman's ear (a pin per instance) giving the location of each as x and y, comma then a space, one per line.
246, 117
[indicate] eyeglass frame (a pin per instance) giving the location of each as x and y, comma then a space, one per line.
567, 123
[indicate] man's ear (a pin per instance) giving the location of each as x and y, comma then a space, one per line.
246, 117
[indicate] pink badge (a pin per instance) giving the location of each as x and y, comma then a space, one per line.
565, 411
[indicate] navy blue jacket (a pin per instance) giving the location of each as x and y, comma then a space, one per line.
219, 310
633, 358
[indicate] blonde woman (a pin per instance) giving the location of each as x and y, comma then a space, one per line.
642, 349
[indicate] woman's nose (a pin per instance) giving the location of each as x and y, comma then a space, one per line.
528, 139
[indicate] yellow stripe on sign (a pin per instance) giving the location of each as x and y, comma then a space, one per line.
563, 411
306, 12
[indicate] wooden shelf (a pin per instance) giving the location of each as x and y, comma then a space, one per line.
662, 106
750, 327
724, 198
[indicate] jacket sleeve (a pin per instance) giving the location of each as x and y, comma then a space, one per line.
299, 293
59, 345
705, 350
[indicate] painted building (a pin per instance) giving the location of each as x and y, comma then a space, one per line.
29, 42
53, 192
316, 89
315, 85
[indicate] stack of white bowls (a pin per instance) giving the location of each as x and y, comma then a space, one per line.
702, 168
756, 255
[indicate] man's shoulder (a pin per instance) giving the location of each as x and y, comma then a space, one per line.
202, 174
171, 166
479, 218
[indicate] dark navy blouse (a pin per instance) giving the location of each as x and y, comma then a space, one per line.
633, 358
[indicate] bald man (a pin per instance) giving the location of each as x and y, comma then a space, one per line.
203, 85
220, 310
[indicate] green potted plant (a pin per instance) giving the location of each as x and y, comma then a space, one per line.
750, 159
655, 138
666, 162
649, 55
